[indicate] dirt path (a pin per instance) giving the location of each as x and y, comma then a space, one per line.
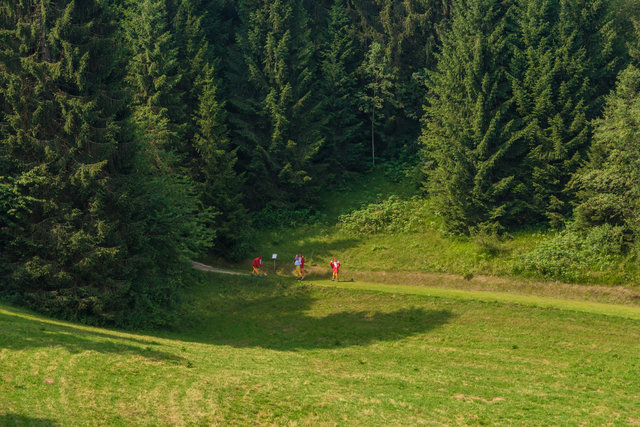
204, 267
594, 293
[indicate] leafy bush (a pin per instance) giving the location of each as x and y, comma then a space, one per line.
391, 215
572, 254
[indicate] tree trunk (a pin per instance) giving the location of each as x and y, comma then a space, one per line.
373, 148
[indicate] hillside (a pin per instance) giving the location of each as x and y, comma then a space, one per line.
408, 243
272, 351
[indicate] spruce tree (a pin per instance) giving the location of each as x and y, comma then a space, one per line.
220, 186
153, 76
284, 134
63, 101
210, 159
379, 89
608, 186
553, 76
96, 234
473, 154
343, 140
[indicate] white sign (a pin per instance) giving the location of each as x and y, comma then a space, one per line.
274, 256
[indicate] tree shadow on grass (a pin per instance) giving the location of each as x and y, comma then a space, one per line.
15, 420
19, 330
279, 315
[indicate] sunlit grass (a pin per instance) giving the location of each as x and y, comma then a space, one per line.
272, 351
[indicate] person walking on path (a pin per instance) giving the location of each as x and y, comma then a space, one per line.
297, 262
335, 266
302, 273
257, 266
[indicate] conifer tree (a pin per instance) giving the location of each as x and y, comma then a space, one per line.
220, 186
468, 135
609, 184
553, 74
284, 138
96, 235
343, 140
379, 88
153, 76
60, 86
211, 160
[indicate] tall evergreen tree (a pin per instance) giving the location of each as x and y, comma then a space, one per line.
220, 186
379, 88
343, 138
95, 235
553, 74
61, 133
410, 31
474, 155
609, 184
153, 76
211, 160
282, 143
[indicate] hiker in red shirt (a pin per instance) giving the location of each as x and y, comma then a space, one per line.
257, 266
302, 275
335, 266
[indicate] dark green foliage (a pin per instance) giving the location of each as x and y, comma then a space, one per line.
220, 187
378, 89
209, 158
470, 130
552, 91
344, 143
93, 233
273, 217
607, 217
153, 76
60, 84
508, 118
410, 32
278, 52
609, 184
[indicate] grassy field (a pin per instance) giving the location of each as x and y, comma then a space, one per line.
273, 351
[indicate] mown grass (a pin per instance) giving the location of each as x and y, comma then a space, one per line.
273, 351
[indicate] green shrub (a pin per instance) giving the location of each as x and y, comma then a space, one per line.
391, 215
573, 254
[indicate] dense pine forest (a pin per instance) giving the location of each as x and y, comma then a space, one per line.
138, 134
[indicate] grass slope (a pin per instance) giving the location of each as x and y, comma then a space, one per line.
271, 351
425, 247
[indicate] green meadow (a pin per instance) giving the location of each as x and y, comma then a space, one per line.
276, 351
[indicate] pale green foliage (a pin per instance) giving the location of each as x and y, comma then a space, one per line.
389, 216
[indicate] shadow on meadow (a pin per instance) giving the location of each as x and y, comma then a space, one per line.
279, 315
19, 331
11, 420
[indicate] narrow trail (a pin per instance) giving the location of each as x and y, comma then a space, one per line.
204, 267
487, 295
